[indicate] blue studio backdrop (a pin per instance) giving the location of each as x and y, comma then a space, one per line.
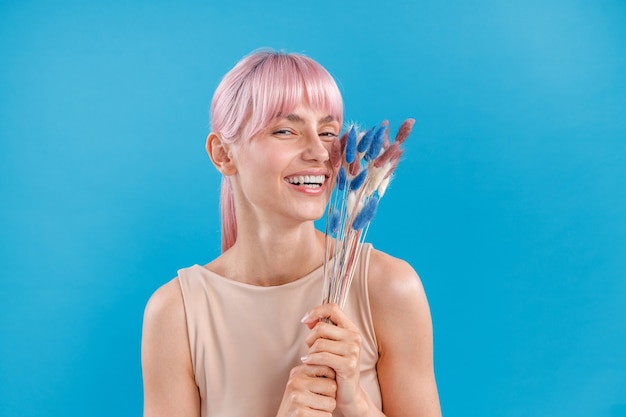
510, 201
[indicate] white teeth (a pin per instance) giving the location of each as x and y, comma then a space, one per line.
306, 180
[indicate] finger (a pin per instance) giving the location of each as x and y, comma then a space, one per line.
323, 386
327, 311
314, 387
317, 371
344, 366
333, 347
331, 332
312, 401
343, 358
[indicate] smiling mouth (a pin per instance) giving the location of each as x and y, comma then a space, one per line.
309, 181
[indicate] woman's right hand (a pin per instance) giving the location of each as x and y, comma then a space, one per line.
310, 391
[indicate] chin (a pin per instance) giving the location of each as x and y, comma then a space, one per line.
314, 215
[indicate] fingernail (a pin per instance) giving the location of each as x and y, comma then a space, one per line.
306, 317
304, 358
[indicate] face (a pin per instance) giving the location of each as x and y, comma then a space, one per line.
284, 172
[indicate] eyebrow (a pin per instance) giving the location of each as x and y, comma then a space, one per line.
295, 118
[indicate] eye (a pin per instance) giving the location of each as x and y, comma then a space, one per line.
282, 132
329, 135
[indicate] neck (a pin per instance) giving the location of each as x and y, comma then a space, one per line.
269, 257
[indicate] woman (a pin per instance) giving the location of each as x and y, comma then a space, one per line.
243, 335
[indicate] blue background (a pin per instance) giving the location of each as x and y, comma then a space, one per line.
510, 201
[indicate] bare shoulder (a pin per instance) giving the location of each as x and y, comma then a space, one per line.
392, 280
397, 300
403, 327
169, 385
166, 304
165, 324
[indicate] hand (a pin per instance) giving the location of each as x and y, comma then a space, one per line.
336, 345
310, 392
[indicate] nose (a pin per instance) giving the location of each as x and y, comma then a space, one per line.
316, 149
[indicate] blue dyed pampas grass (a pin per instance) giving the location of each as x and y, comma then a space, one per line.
364, 162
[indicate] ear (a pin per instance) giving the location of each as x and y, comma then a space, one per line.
220, 154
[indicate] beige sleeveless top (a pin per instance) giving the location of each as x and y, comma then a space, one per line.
245, 339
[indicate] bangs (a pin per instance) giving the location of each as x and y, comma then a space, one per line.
279, 83
294, 79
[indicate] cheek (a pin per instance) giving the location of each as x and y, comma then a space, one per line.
260, 161
275, 157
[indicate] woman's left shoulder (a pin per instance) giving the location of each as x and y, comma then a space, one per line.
405, 366
398, 305
392, 279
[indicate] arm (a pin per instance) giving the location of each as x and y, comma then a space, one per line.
403, 328
404, 333
169, 384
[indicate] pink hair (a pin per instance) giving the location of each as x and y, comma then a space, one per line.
259, 88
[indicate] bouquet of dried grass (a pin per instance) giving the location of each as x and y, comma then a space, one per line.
364, 162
